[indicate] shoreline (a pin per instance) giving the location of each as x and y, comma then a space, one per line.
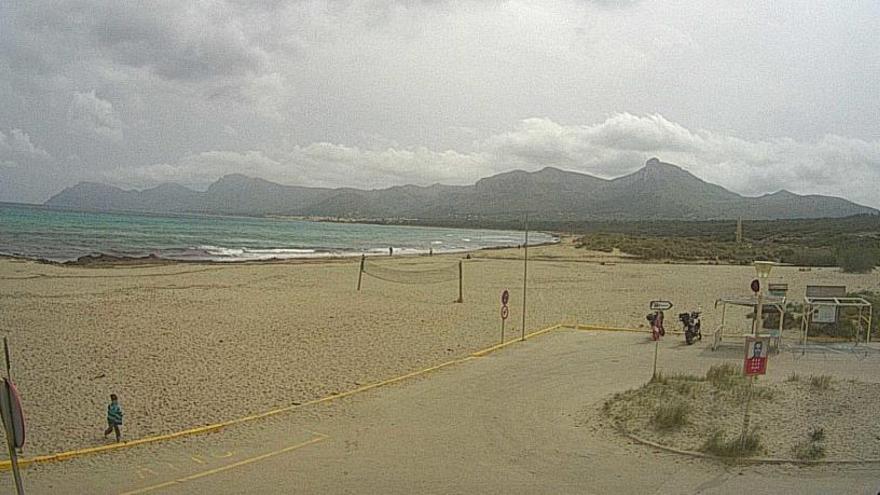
108, 260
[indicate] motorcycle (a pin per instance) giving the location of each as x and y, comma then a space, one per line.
691, 322
656, 321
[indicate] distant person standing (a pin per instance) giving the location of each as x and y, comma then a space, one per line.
114, 417
390, 251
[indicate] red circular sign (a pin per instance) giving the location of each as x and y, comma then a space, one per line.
756, 286
504, 312
505, 296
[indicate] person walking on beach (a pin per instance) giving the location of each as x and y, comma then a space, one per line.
114, 417
390, 251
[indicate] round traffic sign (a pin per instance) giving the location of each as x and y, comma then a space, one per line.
756, 286
504, 312
505, 296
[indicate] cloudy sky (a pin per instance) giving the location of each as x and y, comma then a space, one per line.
756, 96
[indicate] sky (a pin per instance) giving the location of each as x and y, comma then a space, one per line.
756, 96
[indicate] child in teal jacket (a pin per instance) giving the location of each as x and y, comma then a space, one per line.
114, 417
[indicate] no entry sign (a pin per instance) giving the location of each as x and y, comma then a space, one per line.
505, 296
755, 362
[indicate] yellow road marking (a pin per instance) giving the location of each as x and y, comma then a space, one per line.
6, 465
227, 467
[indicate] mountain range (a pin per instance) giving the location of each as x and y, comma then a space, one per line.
656, 191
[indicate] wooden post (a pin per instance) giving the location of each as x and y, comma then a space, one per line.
525, 277
742, 442
656, 351
361, 271
460, 283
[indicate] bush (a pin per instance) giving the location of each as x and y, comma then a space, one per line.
821, 382
856, 259
724, 375
670, 416
812, 448
808, 451
718, 445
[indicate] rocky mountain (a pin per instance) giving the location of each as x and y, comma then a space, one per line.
656, 191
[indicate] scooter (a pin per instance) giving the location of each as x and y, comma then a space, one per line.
656, 321
691, 322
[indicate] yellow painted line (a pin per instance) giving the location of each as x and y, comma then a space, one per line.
227, 467
509, 342
601, 328
6, 465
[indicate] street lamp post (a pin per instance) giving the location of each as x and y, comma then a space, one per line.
763, 268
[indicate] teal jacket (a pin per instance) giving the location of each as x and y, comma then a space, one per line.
114, 413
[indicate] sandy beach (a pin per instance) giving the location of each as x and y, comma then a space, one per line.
185, 345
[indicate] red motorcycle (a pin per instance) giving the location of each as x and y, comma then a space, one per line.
656, 321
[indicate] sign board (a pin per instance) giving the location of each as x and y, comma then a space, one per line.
756, 286
660, 305
505, 296
826, 291
504, 312
825, 313
777, 290
756, 353
11, 409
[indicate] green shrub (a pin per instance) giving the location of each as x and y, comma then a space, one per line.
718, 445
808, 451
856, 258
724, 375
821, 382
670, 416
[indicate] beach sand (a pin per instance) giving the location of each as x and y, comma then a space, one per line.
185, 345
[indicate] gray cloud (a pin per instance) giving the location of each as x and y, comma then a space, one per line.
17, 149
752, 95
618, 145
90, 114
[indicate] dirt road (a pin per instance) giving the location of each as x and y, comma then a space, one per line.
503, 423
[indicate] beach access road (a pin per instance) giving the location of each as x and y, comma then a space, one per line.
520, 420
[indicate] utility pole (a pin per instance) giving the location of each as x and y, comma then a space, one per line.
525, 276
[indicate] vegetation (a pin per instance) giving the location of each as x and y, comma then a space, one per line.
736, 446
855, 258
670, 416
811, 449
852, 243
821, 382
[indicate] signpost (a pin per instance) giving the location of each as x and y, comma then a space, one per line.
754, 364
661, 305
13, 420
505, 312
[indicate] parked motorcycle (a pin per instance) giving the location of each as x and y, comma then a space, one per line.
691, 322
656, 321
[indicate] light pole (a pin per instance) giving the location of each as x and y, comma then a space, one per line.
763, 268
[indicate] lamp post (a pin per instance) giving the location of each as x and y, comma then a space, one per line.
763, 268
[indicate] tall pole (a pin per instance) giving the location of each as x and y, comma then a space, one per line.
460, 283
361, 271
525, 277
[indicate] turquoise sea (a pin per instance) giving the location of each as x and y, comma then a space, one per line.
64, 235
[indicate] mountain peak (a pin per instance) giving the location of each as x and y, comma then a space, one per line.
657, 190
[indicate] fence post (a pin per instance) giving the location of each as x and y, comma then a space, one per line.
361, 271
460, 283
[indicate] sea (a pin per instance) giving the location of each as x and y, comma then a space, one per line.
51, 234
